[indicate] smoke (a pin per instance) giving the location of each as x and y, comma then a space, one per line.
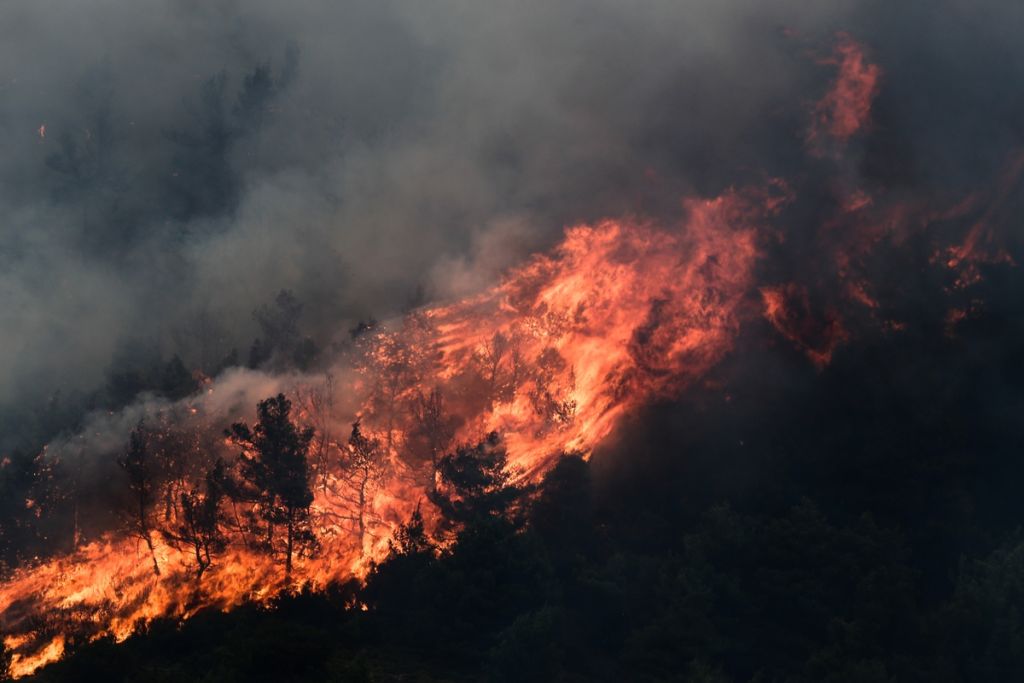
198, 157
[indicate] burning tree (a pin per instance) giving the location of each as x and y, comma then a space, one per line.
199, 527
396, 363
554, 379
177, 460
319, 402
137, 464
500, 366
275, 472
363, 468
435, 427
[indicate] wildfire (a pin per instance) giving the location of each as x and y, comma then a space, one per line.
846, 108
619, 313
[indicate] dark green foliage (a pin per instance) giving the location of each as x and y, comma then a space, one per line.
982, 627
275, 472
854, 524
442, 603
736, 596
476, 483
529, 649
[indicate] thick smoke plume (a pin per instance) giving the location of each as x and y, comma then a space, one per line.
560, 211
173, 162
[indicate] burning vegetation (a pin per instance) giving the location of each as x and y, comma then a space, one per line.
456, 411
544, 364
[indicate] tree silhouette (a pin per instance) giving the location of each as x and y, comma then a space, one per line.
362, 467
138, 465
500, 366
5, 661
475, 483
318, 402
275, 471
435, 427
20, 477
199, 527
280, 341
202, 181
411, 538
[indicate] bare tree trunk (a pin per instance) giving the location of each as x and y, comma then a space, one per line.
433, 471
144, 529
152, 551
391, 424
238, 523
168, 501
201, 563
76, 536
362, 510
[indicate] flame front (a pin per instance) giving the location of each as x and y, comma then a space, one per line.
618, 313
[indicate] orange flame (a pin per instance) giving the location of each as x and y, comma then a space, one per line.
620, 312
846, 107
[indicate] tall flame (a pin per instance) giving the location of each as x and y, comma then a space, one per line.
618, 313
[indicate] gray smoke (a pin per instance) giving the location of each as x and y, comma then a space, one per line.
368, 155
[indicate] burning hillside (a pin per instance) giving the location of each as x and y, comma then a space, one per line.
621, 313
618, 314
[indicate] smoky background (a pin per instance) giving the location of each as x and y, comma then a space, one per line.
168, 166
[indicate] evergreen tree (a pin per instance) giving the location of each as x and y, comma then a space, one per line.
273, 464
475, 483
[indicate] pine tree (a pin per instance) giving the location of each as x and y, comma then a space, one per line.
275, 472
476, 484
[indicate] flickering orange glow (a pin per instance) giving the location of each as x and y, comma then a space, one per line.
788, 309
846, 107
619, 313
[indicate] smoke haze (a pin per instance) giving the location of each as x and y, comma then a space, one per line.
168, 162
